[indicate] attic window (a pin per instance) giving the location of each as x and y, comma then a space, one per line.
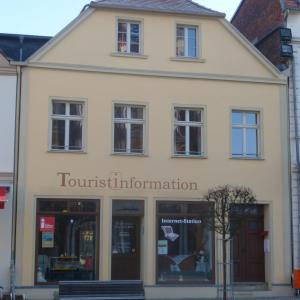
128, 37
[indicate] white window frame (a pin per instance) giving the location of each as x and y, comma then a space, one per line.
186, 40
246, 126
128, 121
188, 124
67, 118
128, 36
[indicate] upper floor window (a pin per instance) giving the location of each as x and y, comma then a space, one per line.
245, 134
188, 131
129, 128
129, 37
186, 41
66, 125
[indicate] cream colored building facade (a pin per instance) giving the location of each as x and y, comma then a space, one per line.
80, 82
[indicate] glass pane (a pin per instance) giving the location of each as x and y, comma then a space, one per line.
195, 115
251, 118
251, 136
122, 27
120, 111
83, 206
169, 208
66, 248
237, 118
59, 108
53, 206
195, 141
180, 31
122, 47
134, 38
128, 207
180, 140
180, 46
137, 138
134, 48
124, 236
137, 113
75, 135
237, 141
179, 114
192, 42
58, 134
76, 109
134, 29
120, 137
184, 248
122, 37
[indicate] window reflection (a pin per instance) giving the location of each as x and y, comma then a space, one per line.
184, 245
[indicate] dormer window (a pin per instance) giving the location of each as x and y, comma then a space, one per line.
129, 37
186, 41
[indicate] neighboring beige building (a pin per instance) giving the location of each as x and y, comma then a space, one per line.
129, 115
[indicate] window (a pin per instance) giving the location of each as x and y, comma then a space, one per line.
129, 128
186, 41
67, 240
184, 243
245, 134
129, 37
188, 131
66, 125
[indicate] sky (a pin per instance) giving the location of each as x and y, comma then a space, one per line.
39, 17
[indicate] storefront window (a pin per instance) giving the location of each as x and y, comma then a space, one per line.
184, 244
66, 240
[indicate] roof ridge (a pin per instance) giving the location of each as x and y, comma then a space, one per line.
166, 6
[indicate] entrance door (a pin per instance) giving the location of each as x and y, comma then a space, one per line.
248, 248
125, 264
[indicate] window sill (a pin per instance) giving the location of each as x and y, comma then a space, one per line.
129, 55
67, 151
129, 154
246, 158
188, 59
189, 156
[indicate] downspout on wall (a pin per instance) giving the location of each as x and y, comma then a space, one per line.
15, 185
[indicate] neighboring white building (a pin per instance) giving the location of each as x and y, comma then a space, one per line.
293, 22
8, 80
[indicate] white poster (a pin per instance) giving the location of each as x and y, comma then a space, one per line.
162, 247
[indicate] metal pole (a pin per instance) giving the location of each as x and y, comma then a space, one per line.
15, 186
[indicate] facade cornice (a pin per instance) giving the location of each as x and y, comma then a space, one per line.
156, 73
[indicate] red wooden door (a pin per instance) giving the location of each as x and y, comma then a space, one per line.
248, 249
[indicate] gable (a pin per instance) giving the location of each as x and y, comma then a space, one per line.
90, 42
3, 61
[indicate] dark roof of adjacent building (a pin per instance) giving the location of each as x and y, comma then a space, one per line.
164, 6
18, 47
292, 4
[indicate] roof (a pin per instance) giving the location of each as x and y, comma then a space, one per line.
292, 4
19, 47
164, 6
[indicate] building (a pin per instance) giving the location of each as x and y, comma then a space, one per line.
12, 47
130, 114
273, 27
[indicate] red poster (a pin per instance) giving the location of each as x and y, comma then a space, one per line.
47, 224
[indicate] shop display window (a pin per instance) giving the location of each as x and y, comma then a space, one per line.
67, 235
185, 245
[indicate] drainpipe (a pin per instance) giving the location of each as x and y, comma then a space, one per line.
15, 185
295, 107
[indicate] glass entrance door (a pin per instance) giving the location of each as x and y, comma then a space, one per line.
125, 264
